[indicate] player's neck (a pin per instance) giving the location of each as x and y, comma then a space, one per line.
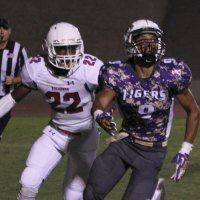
144, 72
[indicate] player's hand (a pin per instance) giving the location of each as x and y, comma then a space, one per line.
181, 160
105, 121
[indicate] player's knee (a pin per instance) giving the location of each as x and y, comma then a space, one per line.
31, 178
73, 189
89, 194
26, 193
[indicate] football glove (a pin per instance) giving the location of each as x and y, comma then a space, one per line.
105, 121
181, 161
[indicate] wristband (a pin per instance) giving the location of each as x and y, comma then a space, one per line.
97, 112
186, 148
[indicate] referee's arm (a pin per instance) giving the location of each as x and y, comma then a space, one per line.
10, 80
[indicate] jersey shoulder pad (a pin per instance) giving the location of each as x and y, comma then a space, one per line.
180, 73
112, 66
111, 74
35, 64
90, 61
88, 70
177, 66
32, 69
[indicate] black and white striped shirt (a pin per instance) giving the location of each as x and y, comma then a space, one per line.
12, 58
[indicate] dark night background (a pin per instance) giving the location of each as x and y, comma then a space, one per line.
103, 22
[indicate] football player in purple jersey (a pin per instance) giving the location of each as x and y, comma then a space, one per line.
145, 87
67, 78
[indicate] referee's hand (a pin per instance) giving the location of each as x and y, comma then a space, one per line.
9, 80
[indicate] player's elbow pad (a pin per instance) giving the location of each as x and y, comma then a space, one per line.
6, 103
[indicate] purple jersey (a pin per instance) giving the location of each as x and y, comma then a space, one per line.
147, 104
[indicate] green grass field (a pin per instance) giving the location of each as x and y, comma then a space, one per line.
22, 132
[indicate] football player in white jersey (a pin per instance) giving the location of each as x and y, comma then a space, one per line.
67, 78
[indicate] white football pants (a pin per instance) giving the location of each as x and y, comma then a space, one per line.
47, 152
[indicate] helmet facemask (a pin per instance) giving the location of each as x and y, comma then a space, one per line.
64, 56
144, 51
64, 47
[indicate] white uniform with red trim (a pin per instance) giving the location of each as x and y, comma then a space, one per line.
71, 101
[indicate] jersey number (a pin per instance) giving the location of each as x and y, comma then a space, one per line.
89, 60
56, 100
145, 111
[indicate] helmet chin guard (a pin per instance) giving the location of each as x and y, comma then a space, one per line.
145, 60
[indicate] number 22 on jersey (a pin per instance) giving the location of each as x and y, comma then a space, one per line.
56, 99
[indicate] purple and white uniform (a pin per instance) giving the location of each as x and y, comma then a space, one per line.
147, 104
147, 109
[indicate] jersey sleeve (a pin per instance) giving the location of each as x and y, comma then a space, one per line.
181, 76
110, 76
92, 67
28, 74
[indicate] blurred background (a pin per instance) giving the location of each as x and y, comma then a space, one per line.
102, 24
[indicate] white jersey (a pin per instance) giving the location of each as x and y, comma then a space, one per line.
70, 98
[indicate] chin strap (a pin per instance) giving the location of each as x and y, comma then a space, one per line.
145, 60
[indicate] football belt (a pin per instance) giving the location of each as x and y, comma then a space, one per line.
121, 135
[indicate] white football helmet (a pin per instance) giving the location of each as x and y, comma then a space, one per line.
64, 37
137, 48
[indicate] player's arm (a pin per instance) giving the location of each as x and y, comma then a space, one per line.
20, 92
9, 100
102, 101
189, 104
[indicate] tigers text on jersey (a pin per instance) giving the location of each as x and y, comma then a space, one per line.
12, 58
147, 104
70, 98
